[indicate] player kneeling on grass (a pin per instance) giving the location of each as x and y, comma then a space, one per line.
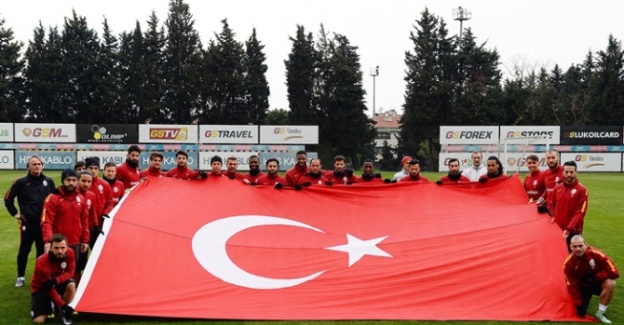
588, 272
52, 282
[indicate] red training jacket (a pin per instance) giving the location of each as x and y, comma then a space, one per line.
534, 185
65, 213
462, 179
268, 180
104, 198
253, 179
570, 205
152, 172
183, 173
576, 268
46, 269
127, 175
293, 174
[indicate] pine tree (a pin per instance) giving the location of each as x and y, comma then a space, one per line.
300, 78
276, 117
105, 107
182, 65
11, 81
257, 99
153, 87
225, 82
132, 75
80, 48
607, 85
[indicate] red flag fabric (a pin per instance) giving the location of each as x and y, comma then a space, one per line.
220, 249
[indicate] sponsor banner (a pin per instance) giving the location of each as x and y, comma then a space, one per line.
468, 134
169, 161
26, 132
586, 135
287, 160
527, 134
52, 160
205, 156
512, 161
116, 157
6, 132
594, 162
7, 159
228, 134
161, 133
283, 134
107, 133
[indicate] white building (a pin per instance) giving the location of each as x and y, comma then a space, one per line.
388, 129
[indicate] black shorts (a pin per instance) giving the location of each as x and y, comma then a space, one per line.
41, 303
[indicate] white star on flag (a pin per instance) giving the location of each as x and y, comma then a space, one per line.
357, 248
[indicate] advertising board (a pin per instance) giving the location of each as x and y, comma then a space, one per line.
594, 162
527, 134
469, 134
107, 133
289, 134
37, 132
162, 133
52, 160
236, 134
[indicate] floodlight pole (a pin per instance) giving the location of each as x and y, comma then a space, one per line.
461, 14
374, 73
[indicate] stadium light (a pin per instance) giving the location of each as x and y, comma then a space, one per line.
461, 14
374, 73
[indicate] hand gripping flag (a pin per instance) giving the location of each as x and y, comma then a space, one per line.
224, 250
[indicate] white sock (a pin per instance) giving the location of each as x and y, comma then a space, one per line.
20, 278
602, 307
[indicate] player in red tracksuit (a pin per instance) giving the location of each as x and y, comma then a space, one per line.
414, 173
232, 172
156, 160
368, 175
553, 175
52, 281
340, 174
300, 169
454, 175
104, 195
128, 172
314, 176
117, 187
569, 201
182, 171
589, 271
272, 177
84, 183
254, 170
494, 170
534, 182
66, 212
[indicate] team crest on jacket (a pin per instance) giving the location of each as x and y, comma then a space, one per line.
557, 179
115, 190
101, 188
573, 192
89, 203
535, 183
63, 265
45, 183
78, 199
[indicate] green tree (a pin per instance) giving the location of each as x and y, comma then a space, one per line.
182, 65
257, 99
300, 78
607, 85
276, 117
225, 73
428, 85
46, 82
348, 130
153, 87
479, 94
11, 80
79, 47
105, 107
132, 77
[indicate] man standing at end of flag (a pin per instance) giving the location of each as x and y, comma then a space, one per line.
588, 272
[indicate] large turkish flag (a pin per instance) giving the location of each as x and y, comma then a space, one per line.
221, 249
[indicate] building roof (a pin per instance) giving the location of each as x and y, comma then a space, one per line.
389, 119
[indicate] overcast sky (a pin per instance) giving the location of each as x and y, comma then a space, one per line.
531, 33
